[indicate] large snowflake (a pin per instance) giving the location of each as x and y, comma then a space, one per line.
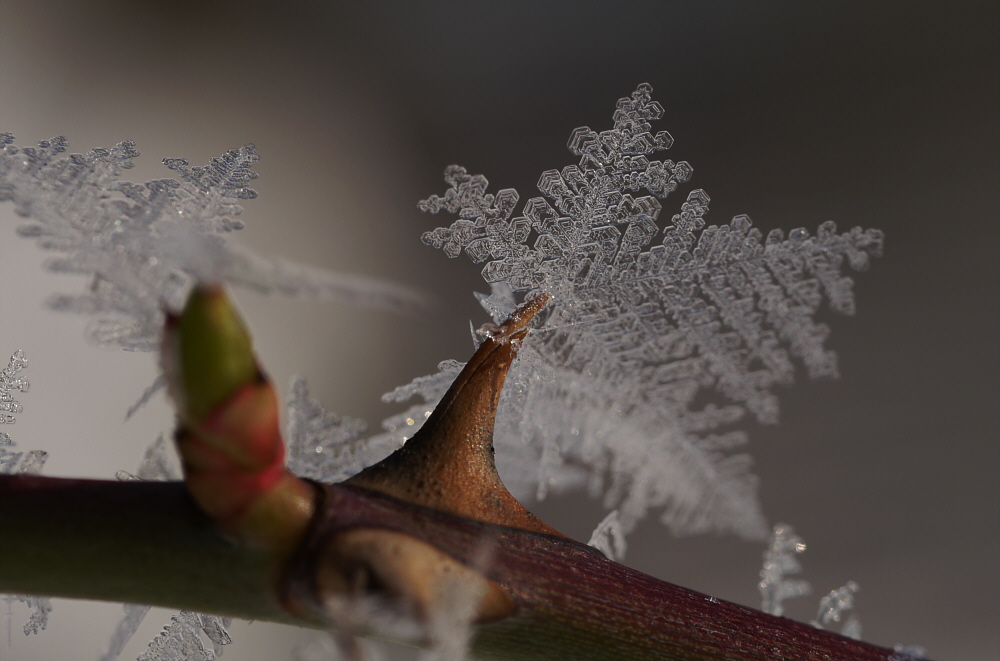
644, 319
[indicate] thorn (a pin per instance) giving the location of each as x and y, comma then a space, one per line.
448, 464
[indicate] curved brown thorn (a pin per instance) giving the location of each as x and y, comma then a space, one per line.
448, 464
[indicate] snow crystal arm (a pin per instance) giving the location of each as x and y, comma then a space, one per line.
143, 245
11, 383
648, 320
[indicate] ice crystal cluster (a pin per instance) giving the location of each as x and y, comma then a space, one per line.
832, 607
12, 381
181, 640
323, 446
141, 246
780, 562
646, 316
901, 652
775, 586
608, 537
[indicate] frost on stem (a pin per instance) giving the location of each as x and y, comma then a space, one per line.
901, 652
38, 618
156, 464
780, 562
125, 629
647, 317
775, 587
832, 607
608, 537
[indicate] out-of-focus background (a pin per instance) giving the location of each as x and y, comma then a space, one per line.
880, 114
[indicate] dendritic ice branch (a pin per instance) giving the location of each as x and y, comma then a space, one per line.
780, 562
11, 383
326, 447
141, 246
832, 607
181, 640
644, 319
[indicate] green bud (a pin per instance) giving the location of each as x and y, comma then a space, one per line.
214, 352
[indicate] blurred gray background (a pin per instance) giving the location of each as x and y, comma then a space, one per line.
880, 114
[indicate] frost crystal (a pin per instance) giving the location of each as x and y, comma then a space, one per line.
901, 652
608, 537
323, 446
832, 608
155, 464
181, 640
142, 245
644, 319
775, 586
10, 382
12, 462
779, 563
39, 618
23, 463
126, 628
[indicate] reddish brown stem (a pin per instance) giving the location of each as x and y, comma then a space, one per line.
149, 543
573, 603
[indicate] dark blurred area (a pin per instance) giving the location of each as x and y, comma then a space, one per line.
879, 114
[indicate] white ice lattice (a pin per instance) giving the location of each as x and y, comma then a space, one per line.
141, 246
644, 319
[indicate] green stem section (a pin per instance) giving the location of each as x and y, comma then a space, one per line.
136, 542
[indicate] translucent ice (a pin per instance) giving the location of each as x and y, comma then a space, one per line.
832, 607
141, 246
608, 537
11, 382
780, 562
326, 447
646, 318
